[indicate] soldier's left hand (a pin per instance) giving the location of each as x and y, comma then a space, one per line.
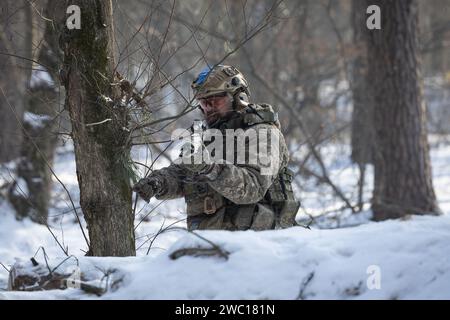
146, 188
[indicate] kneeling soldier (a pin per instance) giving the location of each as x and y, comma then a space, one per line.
236, 195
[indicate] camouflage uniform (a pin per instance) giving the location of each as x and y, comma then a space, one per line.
232, 196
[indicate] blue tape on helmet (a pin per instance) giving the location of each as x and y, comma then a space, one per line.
203, 75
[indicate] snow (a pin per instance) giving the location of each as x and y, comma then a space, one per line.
106, 99
21, 188
274, 264
39, 77
407, 258
35, 120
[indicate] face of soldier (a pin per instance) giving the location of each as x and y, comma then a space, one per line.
215, 107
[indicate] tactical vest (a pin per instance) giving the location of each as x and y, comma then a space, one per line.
201, 199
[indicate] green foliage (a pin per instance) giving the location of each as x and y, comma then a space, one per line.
129, 172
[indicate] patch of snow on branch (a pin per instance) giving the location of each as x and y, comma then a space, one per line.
35, 120
41, 77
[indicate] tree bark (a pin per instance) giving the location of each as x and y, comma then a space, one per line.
99, 122
362, 135
403, 182
14, 74
362, 131
37, 151
39, 126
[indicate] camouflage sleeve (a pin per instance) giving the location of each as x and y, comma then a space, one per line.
173, 182
245, 183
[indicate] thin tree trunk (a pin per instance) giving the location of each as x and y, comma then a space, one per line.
39, 125
14, 74
99, 132
361, 181
403, 183
37, 153
362, 135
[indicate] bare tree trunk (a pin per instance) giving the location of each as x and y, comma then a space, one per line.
39, 124
403, 183
37, 153
362, 134
362, 131
99, 123
14, 74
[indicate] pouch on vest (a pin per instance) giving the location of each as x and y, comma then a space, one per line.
263, 218
242, 215
281, 196
202, 199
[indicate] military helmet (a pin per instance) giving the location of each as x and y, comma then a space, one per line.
219, 79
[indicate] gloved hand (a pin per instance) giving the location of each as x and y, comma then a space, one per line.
148, 187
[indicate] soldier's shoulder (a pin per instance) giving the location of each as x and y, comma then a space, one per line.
265, 125
261, 115
265, 107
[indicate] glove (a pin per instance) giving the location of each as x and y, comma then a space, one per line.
148, 187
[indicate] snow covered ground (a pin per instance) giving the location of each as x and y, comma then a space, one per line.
389, 260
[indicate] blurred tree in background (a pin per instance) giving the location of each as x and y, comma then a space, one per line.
403, 183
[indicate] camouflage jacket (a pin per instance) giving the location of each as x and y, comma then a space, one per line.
231, 197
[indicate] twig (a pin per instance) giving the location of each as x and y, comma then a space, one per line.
45, 259
62, 262
160, 231
5, 267
96, 123
27, 59
305, 283
222, 253
153, 209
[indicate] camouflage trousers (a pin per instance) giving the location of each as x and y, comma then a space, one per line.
238, 217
